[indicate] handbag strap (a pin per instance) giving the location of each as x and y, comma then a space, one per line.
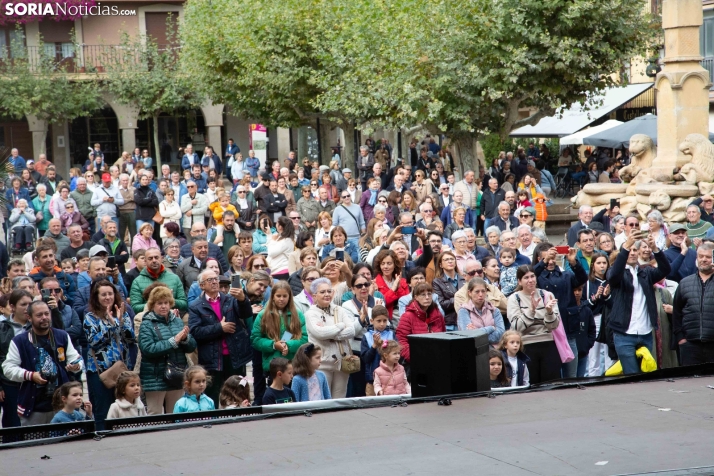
158, 334
339, 342
353, 217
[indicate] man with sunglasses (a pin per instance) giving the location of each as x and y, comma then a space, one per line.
193, 207
63, 316
494, 295
349, 216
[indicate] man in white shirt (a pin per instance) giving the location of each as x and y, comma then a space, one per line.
525, 238
106, 198
634, 314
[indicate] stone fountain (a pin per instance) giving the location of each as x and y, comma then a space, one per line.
682, 166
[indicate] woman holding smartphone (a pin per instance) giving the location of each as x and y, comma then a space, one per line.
339, 247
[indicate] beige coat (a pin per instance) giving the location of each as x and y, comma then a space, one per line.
493, 295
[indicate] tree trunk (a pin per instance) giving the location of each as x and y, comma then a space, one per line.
157, 146
326, 142
464, 149
348, 149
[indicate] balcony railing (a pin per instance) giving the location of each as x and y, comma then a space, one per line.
708, 64
72, 58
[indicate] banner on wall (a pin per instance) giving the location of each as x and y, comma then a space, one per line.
259, 142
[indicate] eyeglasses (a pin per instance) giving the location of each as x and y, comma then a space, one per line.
210, 280
294, 218
55, 291
313, 185
474, 272
309, 280
382, 201
632, 225
191, 186
345, 196
362, 285
526, 215
259, 266
428, 211
241, 191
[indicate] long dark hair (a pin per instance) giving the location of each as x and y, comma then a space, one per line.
503, 376
94, 306
288, 228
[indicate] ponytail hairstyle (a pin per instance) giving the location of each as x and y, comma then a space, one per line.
63, 392
388, 346
301, 361
503, 376
235, 389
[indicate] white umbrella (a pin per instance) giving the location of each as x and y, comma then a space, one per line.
577, 138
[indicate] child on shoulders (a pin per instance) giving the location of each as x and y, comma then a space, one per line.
509, 282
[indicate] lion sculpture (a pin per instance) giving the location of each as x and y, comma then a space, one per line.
701, 168
643, 154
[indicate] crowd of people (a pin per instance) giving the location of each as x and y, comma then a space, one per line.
154, 294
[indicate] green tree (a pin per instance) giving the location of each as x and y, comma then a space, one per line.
33, 83
147, 76
263, 62
470, 68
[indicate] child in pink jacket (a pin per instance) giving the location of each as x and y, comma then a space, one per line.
390, 378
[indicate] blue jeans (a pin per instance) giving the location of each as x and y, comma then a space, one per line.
450, 328
141, 222
582, 366
626, 345
486, 224
101, 398
570, 369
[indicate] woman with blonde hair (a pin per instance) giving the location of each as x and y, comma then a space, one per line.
322, 233
170, 210
143, 240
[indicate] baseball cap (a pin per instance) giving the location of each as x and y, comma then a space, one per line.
675, 227
106, 177
96, 249
30, 161
530, 210
346, 171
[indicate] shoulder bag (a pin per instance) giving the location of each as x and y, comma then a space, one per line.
350, 363
173, 375
110, 376
353, 217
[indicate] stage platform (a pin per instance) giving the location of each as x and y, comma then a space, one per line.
637, 428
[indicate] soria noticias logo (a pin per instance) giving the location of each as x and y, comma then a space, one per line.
24, 10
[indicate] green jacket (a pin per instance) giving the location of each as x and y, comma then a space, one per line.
168, 278
43, 207
264, 344
83, 203
155, 353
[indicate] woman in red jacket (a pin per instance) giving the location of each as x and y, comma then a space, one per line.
422, 316
389, 279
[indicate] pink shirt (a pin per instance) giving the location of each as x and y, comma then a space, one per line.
216, 306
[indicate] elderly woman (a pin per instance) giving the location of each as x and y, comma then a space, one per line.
479, 313
493, 235
534, 313
332, 328
60, 200
163, 340
170, 210
22, 219
235, 260
172, 254
304, 299
143, 239
460, 218
41, 204
109, 331
72, 216
461, 251
173, 230
369, 198
657, 228
618, 230
246, 206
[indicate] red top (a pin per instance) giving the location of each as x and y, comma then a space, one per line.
390, 297
417, 321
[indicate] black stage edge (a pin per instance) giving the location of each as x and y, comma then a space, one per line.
57, 433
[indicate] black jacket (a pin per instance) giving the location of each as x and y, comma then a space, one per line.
693, 315
445, 290
490, 201
573, 233
206, 328
622, 289
585, 337
274, 204
246, 217
501, 223
561, 284
601, 217
146, 203
214, 251
295, 282
121, 259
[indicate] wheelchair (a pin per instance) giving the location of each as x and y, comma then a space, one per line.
28, 231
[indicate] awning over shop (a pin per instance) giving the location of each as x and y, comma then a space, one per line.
578, 137
577, 118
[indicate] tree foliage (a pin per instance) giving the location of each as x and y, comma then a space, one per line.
462, 68
147, 76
